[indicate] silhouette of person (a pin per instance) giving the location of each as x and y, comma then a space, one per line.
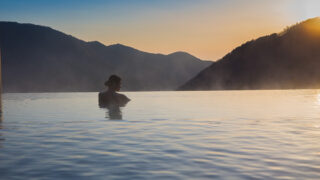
112, 100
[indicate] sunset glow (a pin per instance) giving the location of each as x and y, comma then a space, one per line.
314, 27
205, 28
159, 89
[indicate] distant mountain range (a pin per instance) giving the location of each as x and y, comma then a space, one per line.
40, 59
287, 60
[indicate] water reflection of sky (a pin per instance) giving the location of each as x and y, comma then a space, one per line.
318, 99
164, 135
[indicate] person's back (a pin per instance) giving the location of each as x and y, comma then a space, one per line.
111, 97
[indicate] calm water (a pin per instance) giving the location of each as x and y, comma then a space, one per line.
162, 135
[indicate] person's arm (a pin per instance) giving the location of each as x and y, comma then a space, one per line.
123, 100
126, 98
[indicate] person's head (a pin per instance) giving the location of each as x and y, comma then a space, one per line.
113, 83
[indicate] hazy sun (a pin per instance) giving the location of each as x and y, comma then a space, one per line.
312, 26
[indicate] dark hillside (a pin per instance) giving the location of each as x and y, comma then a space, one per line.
37, 59
288, 60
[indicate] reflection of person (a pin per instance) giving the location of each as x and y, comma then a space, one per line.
111, 97
114, 112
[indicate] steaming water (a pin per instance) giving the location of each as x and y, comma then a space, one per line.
163, 135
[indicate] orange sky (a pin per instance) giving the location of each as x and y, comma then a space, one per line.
207, 29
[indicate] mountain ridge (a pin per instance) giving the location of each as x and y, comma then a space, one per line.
285, 60
42, 59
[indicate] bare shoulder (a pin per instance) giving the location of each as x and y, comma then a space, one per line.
104, 99
103, 95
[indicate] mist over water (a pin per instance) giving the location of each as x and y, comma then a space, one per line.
163, 135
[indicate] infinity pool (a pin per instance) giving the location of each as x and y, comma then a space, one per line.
162, 135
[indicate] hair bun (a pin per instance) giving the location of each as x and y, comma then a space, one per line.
113, 79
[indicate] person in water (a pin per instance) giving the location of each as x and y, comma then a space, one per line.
110, 98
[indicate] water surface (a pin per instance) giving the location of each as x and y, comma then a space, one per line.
162, 135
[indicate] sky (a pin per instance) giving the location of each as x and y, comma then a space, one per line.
207, 29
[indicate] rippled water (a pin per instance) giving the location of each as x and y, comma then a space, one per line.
163, 135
